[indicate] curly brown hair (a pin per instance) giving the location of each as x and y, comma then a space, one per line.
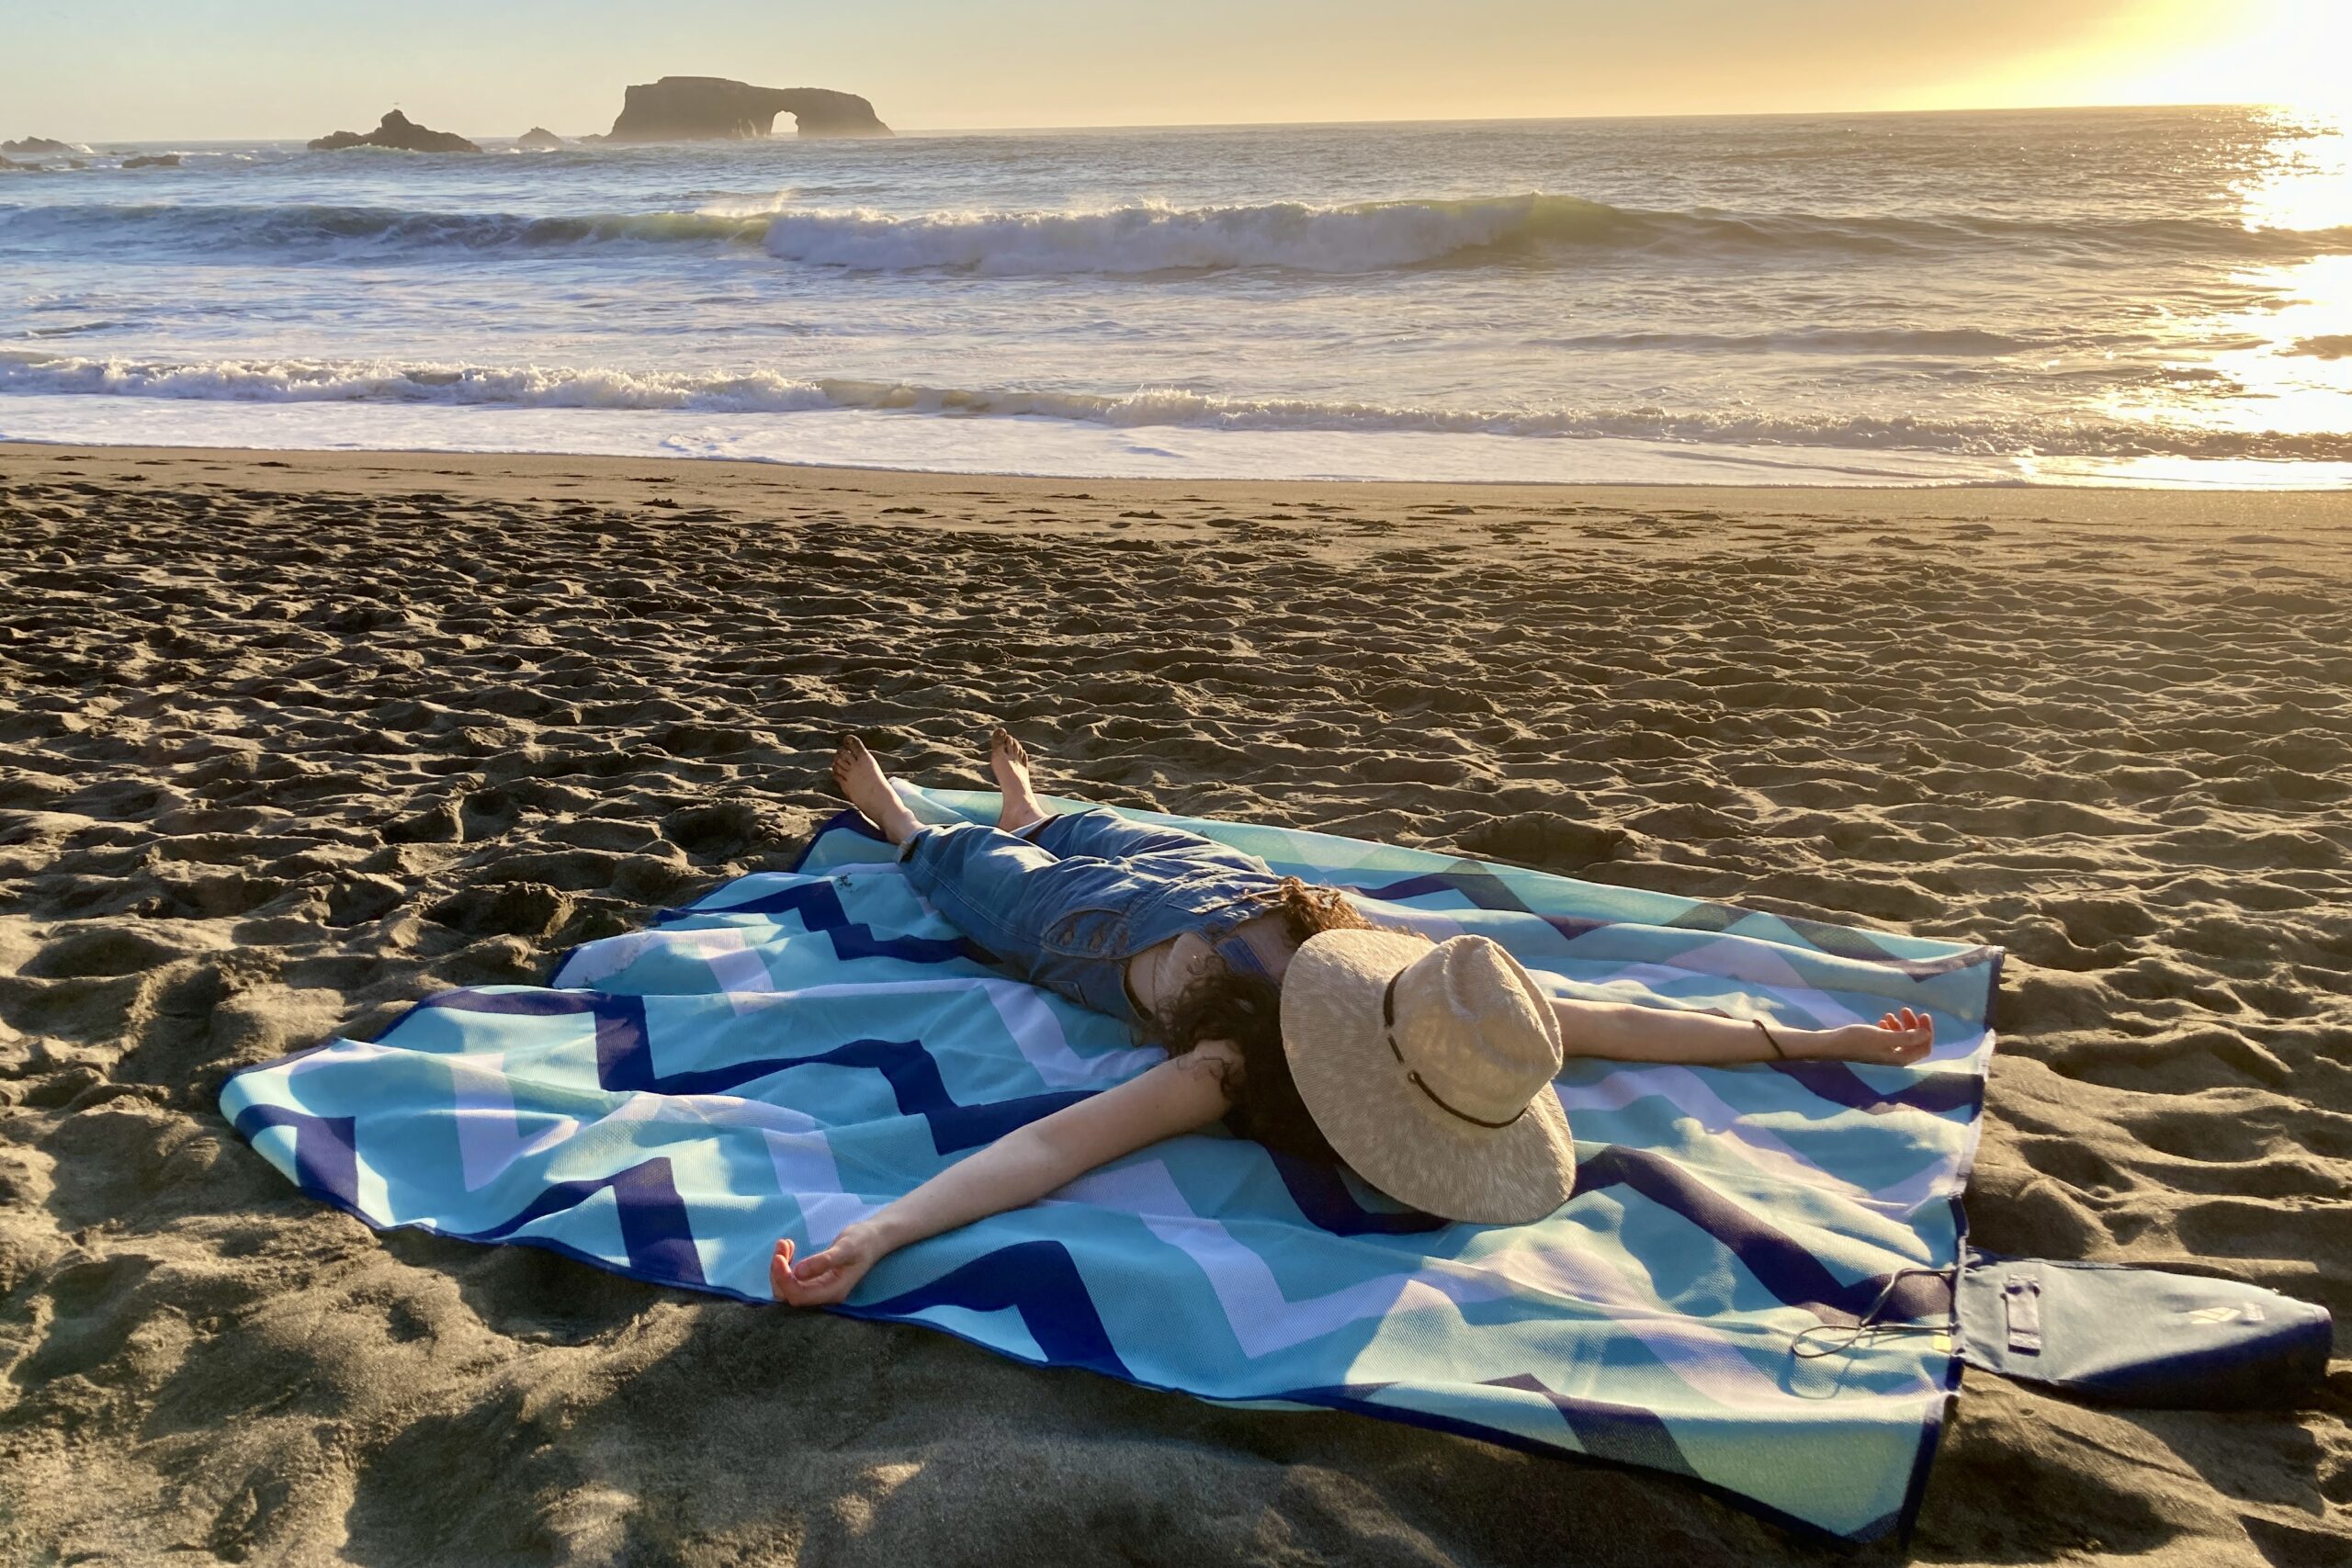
1248, 1011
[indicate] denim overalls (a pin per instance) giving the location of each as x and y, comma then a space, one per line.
1065, 905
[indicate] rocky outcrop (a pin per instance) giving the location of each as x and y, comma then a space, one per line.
36, 144
162, 160
400, 134
538, 139
711, 108
8, 163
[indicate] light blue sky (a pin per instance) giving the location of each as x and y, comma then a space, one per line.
93, 70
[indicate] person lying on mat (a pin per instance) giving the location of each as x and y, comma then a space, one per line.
1425, 1066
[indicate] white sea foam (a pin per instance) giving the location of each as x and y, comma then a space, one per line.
746, 206
464, 386
1076, 449
545, 387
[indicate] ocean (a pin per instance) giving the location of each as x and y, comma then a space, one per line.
2116, 296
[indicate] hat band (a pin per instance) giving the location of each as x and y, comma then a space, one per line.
1388, 1016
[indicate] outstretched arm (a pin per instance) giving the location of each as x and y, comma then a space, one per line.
1024, 1165
1629, 1033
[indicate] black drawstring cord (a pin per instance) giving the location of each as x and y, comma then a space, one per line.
1868, 1323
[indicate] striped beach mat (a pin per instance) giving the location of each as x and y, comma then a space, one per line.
1751, 1288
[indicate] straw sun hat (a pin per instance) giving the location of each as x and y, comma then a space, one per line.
1428, 1069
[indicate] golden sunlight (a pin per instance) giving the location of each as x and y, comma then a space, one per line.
2290, 53
2287, 52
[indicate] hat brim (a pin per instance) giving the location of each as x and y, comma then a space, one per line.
1378, 1120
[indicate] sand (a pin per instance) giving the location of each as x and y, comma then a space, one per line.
288, 742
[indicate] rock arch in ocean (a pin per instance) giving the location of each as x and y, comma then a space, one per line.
704, 108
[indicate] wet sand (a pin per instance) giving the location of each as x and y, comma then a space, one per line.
288, 742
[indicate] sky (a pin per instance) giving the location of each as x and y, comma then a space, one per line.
157, 70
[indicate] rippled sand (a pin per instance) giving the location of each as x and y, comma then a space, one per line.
287, 742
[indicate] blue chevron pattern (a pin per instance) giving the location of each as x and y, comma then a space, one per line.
794, 1050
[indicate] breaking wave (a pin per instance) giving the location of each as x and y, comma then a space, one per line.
28, 373
312, 231
1532, 229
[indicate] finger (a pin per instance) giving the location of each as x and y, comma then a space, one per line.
781, 1282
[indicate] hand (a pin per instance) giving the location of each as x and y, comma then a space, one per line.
823, 1277
1897, 1038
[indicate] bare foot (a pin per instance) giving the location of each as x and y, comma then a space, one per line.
1009, 761
862, 779
1895, 1040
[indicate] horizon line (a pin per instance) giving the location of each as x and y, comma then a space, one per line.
1430, 120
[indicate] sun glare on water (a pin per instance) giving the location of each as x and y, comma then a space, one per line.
2296, 377
2302, 373
2288, 373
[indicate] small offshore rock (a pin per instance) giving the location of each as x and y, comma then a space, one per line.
399, 133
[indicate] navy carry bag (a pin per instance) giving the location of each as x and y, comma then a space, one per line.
2118, 1335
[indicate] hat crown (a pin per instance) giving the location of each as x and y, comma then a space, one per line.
1473, 1024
